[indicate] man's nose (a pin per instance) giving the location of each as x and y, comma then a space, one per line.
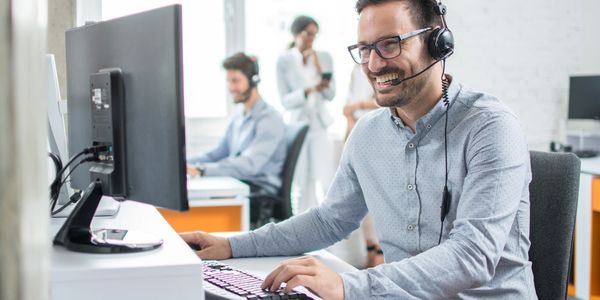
376, 63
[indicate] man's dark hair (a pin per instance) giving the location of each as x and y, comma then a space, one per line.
242, 63
422, 11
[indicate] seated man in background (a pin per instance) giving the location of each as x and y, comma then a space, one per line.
253, 149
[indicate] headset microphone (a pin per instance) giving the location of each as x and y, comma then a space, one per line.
398, 81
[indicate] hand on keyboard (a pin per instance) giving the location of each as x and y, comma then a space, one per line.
208, 246
225, 282
309, 272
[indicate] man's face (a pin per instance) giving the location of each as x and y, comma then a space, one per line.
238, 85
387, 20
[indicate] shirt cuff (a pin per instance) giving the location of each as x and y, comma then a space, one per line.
356, 285
242, 245
212, 169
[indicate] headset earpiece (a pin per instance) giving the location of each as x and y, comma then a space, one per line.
441, 43
441, 40
254, 77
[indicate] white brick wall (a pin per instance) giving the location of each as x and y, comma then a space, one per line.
523, 52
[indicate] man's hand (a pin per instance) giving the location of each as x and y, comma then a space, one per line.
192, 171
209, 246
309, 272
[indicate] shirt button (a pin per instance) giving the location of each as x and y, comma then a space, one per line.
428, 126
410, 187
410, 227
411, 145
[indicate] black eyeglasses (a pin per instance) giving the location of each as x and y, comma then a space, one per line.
386, 48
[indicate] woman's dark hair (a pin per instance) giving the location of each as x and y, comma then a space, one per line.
299, 24
422, 11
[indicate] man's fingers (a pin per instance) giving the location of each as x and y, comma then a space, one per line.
194, 238
285, 268
205, 253
300, 280
302, 260
271, 277
287, 273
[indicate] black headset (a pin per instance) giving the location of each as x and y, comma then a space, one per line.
441, 40
254, 78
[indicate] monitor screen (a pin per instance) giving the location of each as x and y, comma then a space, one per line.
584, 97
146, 49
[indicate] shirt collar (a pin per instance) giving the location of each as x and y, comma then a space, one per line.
258, 107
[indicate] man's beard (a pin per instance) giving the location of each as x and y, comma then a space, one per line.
408, 90
245, 95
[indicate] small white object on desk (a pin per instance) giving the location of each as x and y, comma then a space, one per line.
216, 187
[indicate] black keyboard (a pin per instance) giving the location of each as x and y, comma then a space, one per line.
586, 153
224, 282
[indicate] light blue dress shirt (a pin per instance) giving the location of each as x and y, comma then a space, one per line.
398, 176
253, 149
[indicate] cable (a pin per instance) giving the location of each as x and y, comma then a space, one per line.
445, 208
72, 199
92, 150
57, 162
58, 181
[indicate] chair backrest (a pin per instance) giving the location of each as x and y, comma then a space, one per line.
554, 190
294, 138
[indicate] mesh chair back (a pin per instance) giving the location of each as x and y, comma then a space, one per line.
294, 138
554, 191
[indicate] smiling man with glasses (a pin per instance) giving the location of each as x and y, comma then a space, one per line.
443, 169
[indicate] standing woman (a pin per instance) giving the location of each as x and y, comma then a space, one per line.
305, 83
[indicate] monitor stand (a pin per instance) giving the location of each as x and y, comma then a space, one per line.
76, 234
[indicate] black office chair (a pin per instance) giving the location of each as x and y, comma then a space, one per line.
278, 207
553, 192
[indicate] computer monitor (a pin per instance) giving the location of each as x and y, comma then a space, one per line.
584, 97
125, 104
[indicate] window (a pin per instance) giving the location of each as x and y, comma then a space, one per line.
268, 35
203, 38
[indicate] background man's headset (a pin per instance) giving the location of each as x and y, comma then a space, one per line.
440, 45
254, 78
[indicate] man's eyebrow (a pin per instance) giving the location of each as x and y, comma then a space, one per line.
391, 35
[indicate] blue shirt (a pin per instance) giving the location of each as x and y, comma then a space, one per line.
398, 176
253, 149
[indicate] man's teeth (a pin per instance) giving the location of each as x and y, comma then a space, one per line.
386, 77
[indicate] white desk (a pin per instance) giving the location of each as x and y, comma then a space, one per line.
216, 187
171, 270
262, 266
220, 191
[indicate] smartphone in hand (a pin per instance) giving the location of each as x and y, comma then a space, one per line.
326, 76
